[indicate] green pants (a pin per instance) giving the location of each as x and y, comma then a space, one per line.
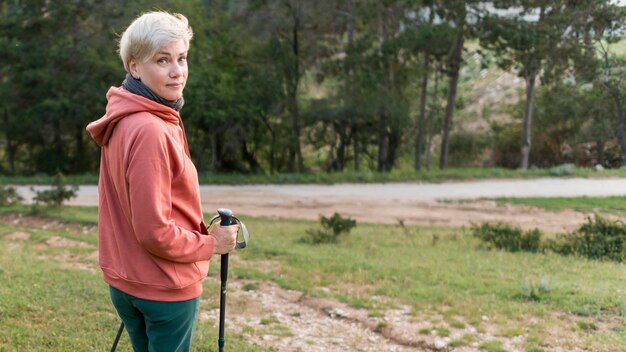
156, 326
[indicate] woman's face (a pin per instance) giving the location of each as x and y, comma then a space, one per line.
166, 72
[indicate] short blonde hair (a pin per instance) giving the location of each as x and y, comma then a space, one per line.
150, 32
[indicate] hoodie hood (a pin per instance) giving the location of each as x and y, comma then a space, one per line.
122, 103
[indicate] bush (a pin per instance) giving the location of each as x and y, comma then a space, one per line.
333, 228
599, 238
512, 239
9, 196
57, 195
563, 170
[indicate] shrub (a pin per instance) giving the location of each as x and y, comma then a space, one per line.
512, 239
57, 195
599, 238
9, 196
332, 229
535, 291
563, 170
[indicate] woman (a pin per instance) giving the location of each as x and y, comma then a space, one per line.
154, 248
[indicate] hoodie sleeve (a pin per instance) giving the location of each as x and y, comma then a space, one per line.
150, 171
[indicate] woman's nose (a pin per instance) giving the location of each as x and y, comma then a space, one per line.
176, 69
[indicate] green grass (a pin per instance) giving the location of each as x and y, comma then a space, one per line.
46, 304
613, 204
404, 175
383, 260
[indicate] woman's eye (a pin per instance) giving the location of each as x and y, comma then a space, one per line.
182, 59
162, 61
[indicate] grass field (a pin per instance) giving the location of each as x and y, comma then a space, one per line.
52, 297
611, 205
406, 175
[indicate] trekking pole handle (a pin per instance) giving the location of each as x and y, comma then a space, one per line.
226, 216
226, 219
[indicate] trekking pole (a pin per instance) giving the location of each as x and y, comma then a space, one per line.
226, 219
117, 338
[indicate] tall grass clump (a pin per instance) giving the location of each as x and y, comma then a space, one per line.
332, 229
9, 196
503, 236
57, 195
598, 238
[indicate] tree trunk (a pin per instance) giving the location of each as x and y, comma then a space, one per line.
382, 144
296, 152
600, 152
340, 155
453, 82
392, 148
214, 152
528, 116
421, 122
255, 166
80, 149
10, 147
619, 108
355, 139
357, 154
432, 117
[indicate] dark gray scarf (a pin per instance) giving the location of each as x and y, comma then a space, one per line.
135, 86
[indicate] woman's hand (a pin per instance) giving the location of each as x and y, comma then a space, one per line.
225, 238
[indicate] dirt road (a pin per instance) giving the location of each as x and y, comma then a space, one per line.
445, 204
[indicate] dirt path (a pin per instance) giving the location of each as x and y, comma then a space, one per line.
413, 203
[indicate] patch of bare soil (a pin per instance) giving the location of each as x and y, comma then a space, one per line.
392, 211
62, 242
290, 321
82, 261
17, 236
42, 223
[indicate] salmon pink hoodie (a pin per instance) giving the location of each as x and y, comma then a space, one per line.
152, 241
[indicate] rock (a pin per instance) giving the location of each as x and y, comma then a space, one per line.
440, 344
599, 167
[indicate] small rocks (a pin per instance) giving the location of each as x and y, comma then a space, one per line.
441, 343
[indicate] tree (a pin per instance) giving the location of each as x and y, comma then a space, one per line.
540, 39
457, 14
429, 43
51, 100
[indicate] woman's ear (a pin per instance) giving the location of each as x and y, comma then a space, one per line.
132, 66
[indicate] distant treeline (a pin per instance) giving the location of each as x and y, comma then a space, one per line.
333, 85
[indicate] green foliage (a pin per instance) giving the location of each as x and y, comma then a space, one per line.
598, 238
506, 144
9, 196
332, 229
563, 170
57, 195
331, 89
506, 237
466, 149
